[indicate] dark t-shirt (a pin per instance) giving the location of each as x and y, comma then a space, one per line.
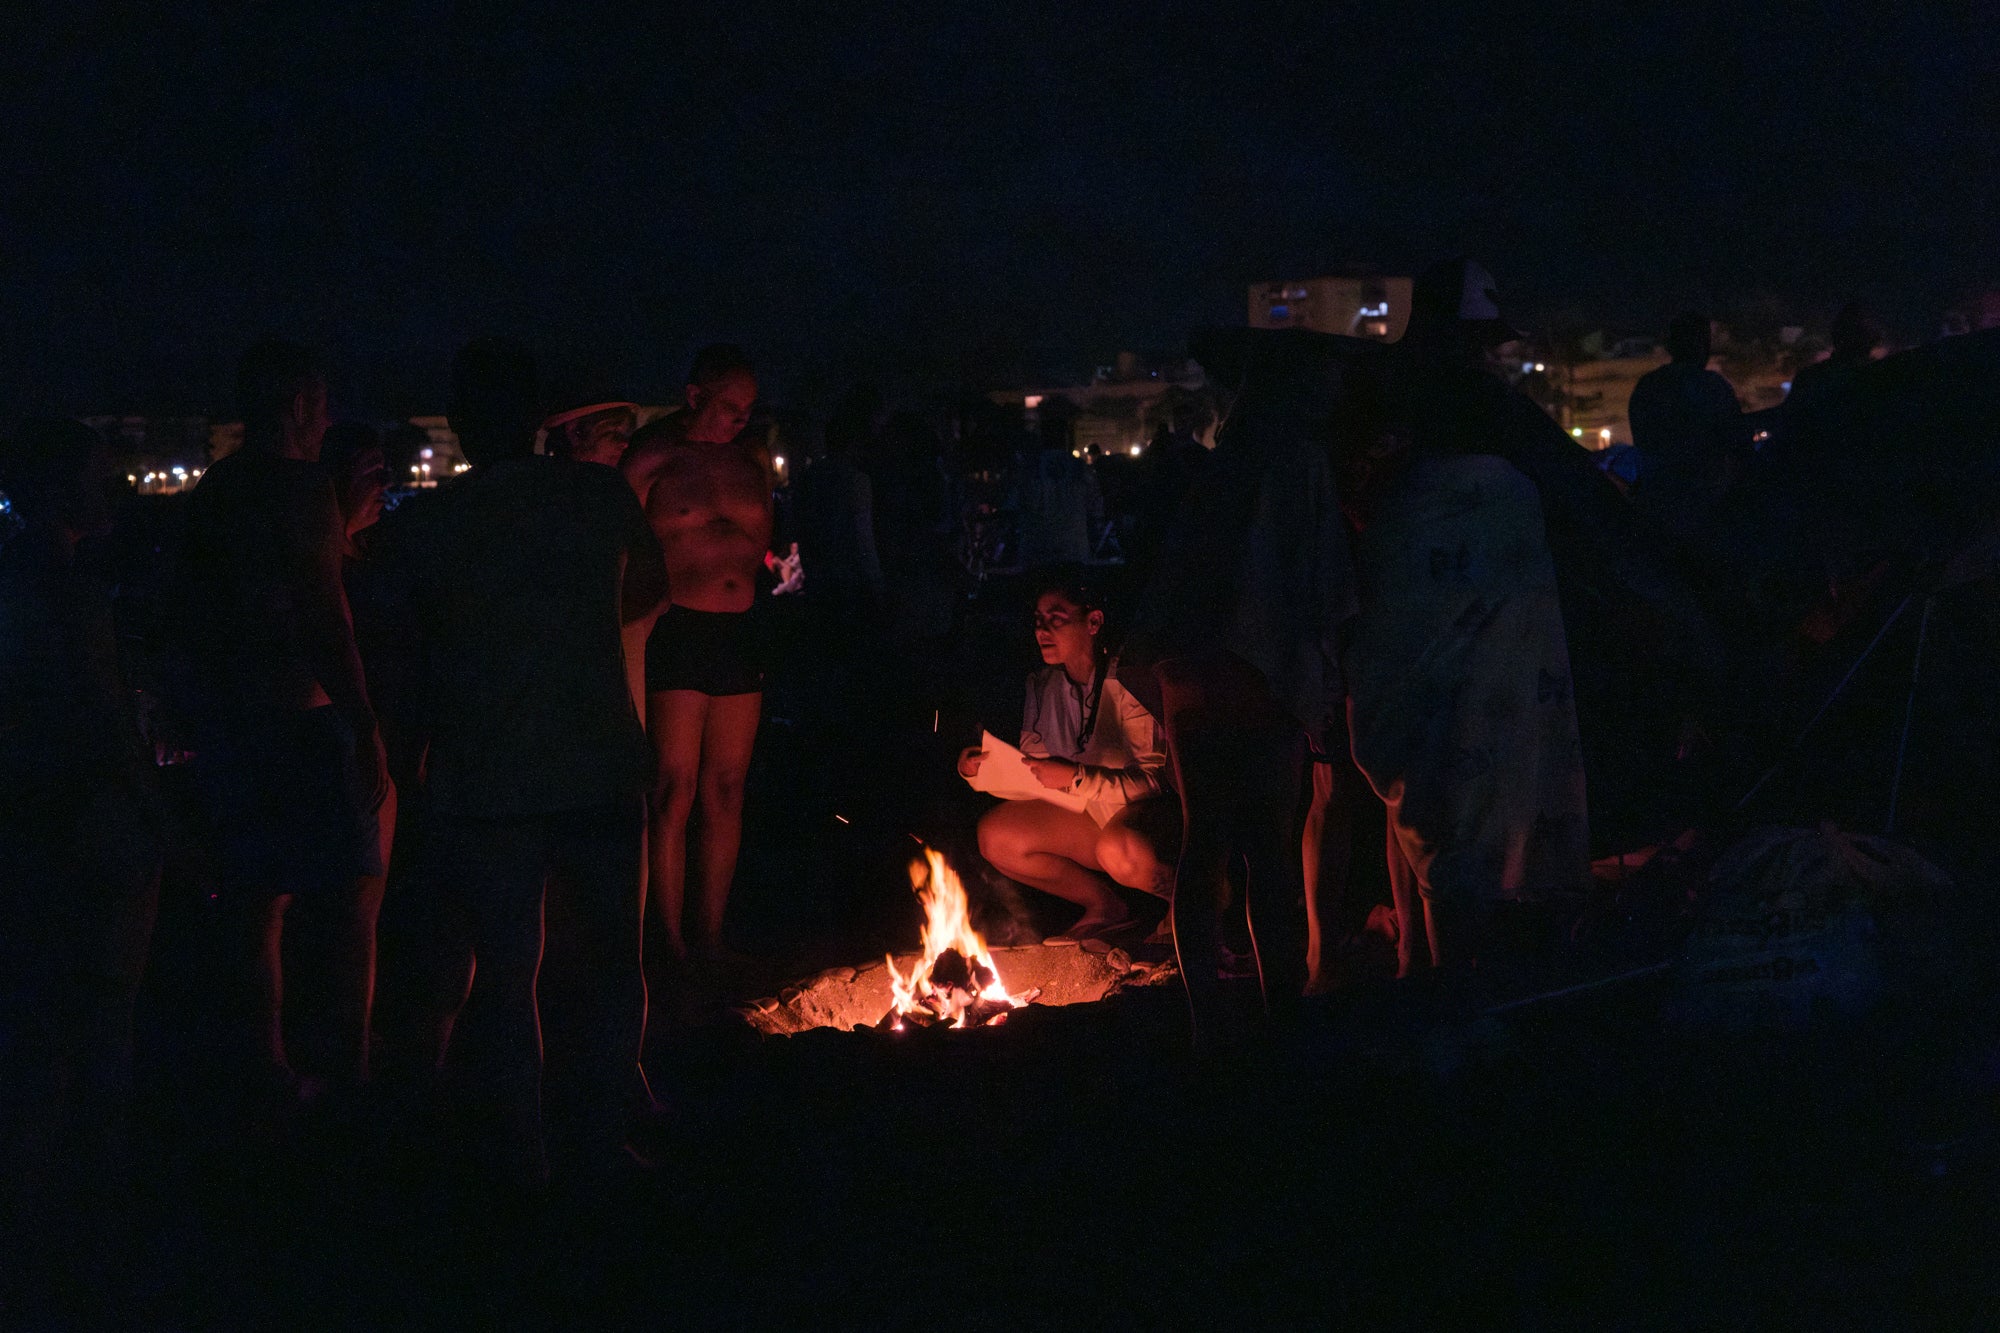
1682, 416
513, 574
254, 527
1257, 564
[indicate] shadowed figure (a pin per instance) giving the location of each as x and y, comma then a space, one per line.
1234, 650
521, 576
79, 834
1687, 427
1857, 340
707, 494
288, 759
1459, 699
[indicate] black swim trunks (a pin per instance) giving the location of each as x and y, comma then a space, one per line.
709, 652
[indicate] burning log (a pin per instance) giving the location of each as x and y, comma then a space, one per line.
957, 982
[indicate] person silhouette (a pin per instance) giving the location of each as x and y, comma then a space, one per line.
522, 574
80, 832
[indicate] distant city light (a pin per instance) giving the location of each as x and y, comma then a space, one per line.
131, 477
1539, 366
1135, 451
1527, 367
1032, 401
423, 453
1786, 386
1605, 435
180, 472
1577, 431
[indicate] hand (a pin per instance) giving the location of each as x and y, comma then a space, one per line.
1055, 774
788, 570
969, 761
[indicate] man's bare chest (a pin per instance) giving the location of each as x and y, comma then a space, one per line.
726, 482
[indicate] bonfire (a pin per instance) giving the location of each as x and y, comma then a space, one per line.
955, 983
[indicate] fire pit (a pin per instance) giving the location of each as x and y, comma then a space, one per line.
956, 981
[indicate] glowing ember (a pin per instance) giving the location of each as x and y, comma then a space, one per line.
956, 982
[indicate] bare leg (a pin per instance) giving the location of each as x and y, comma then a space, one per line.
1200, 731
729, 734
1236, 758
634, 638
1055, 850
1403, 890
1271, 847
674, 722
1140, 845
1311, 841
120, 899
351, 978
262, 926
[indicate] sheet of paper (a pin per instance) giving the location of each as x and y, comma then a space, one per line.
1005, 773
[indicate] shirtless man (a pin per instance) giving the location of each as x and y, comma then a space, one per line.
708, 496
289, 760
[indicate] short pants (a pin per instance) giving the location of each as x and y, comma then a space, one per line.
287, 805
709, 652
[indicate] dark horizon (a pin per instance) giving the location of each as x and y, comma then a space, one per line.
954, 198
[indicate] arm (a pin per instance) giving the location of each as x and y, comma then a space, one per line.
864, 534
641, 468
327, 627
1031, 724
324, 617
1138, 777
644, 584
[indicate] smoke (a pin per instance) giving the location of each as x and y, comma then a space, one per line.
1000, 913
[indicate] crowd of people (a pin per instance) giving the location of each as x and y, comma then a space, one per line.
535, 690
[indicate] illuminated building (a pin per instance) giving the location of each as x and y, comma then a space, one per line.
1360, 306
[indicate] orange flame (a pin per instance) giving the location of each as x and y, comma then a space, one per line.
947, 926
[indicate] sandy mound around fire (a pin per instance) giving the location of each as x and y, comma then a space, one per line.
847, 997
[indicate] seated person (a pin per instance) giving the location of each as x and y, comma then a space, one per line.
1086, 736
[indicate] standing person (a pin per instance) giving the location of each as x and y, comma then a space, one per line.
522, 574
1059, 507
1086, 738
1685, 419
1234, 650
1459, 696
345, 937
834, 503
79, 833
707, 492
288, 758
1857, 339
589, 422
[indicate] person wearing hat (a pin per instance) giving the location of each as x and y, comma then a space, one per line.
588, 422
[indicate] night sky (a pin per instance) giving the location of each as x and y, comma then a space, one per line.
942, 190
